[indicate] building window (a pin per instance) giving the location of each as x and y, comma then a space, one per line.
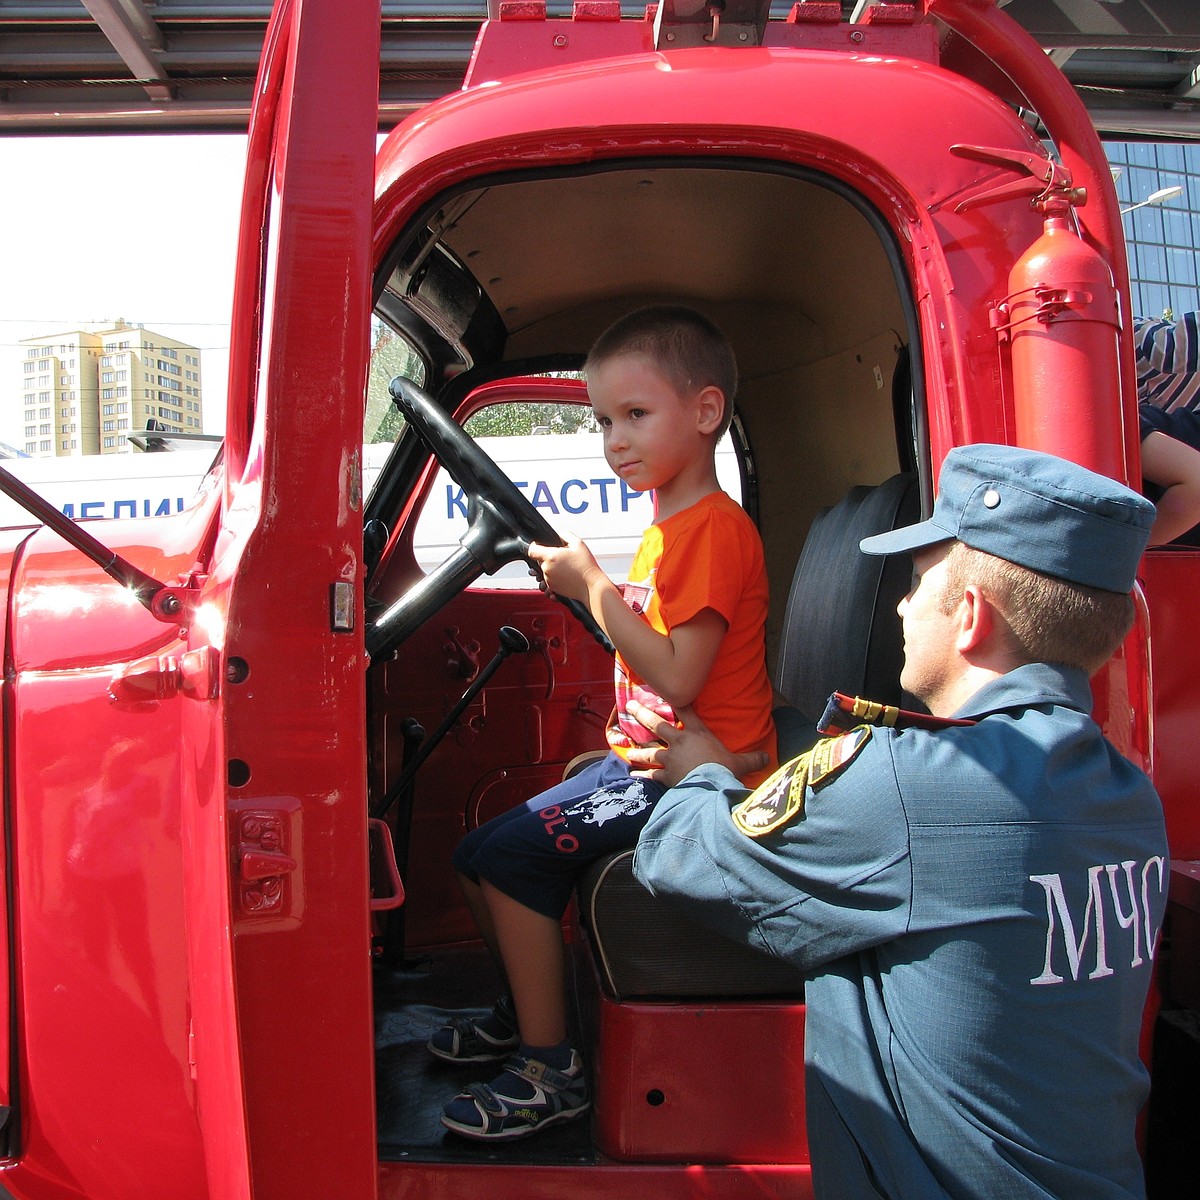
46, 445
109, 443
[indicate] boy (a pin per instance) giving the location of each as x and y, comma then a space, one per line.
689, 630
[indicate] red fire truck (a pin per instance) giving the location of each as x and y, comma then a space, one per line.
241, 740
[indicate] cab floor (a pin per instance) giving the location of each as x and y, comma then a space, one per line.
412, 1086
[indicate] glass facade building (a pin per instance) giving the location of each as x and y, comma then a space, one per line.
1163, 239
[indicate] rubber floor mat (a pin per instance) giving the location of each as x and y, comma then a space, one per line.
412, 1086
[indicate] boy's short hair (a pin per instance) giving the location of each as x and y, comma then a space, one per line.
689, 350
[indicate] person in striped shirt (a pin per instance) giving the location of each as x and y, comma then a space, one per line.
1168, 361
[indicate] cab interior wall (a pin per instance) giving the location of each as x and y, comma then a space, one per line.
789, 267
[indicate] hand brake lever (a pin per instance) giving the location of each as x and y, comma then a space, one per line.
512, 641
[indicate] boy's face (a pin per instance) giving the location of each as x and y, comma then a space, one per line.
651, 432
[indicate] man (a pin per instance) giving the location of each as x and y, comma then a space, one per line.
978, 902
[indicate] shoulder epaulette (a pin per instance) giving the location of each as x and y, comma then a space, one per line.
781, 798
844, 712
845, 727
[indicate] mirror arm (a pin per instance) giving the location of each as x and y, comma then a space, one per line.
162, 601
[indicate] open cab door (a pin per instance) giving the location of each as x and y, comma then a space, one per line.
285, 586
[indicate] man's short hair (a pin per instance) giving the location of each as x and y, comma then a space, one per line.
685, 346
1051, 620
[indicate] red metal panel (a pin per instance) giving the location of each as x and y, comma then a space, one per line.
1182, 971
657, 1100
105, 997
106, 1083
1171, 579
11, 545
595, 1181
713, 103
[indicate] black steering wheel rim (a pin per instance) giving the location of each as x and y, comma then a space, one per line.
501, 522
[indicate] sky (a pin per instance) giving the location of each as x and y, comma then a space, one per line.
97, 228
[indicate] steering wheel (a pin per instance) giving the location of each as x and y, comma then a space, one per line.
501, 523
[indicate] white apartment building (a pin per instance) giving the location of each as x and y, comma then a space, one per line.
85, 391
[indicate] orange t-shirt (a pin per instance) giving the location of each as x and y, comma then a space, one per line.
707, 556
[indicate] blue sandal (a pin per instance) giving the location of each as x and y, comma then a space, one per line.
488, 1039
527, 1096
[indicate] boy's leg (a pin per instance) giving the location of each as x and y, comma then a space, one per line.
531, 949
527, 870
481, 913
526, 876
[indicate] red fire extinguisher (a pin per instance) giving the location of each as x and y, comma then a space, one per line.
1062, 319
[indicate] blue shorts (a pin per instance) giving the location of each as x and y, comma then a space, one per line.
536, 851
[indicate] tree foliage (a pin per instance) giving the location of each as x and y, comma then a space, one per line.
520, 420
391, 355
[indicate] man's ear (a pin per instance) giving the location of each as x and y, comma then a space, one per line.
976, 620
710, 409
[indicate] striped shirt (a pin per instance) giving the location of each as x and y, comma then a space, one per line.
1168, 361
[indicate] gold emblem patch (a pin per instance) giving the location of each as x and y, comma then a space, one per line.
777, 801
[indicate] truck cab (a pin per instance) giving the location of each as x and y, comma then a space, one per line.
230, 801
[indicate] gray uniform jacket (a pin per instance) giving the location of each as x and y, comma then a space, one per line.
978, 907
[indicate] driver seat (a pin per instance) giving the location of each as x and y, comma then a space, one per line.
841, 633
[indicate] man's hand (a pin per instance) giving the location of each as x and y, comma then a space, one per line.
682, 750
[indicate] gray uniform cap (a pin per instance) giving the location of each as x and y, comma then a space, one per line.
1034, 509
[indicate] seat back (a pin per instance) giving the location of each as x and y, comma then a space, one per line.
842, 633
